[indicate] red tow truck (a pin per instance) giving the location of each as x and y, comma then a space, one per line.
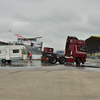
75, 51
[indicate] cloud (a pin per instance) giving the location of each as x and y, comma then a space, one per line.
52, 19
94, 20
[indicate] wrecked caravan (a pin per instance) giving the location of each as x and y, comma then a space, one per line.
11, 52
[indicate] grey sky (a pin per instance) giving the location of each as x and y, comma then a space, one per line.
52, 19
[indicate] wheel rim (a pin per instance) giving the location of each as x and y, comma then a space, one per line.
4, 61
53, 60
79, 60
62, 60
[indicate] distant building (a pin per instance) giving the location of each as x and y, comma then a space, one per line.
32, 44
93, 46
60, 52
3, 43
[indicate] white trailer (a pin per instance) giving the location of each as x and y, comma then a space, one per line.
11, 52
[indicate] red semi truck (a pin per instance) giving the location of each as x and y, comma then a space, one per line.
75, 51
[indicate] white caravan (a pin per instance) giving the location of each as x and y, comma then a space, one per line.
11, 52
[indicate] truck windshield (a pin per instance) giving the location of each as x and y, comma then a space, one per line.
83, 48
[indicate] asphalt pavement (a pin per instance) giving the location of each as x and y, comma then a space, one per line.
36, 81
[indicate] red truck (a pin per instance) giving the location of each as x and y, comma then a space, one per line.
75, 51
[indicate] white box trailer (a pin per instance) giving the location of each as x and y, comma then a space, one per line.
11, 52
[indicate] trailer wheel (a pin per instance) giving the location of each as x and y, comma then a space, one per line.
62, 60
78, 61
9, 61
3, 60
53, 60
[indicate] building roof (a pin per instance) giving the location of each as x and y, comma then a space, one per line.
93, 43
92, 38
33, 38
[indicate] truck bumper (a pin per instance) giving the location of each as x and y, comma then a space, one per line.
44, 60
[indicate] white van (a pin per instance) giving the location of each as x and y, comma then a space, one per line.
11, 52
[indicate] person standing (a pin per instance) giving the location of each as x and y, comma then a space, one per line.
30, 55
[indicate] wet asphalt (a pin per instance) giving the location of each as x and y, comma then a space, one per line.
36, 65
33, 80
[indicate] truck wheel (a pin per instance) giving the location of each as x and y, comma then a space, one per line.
62, 60
78, 61
3, 60
53, 60
82, 62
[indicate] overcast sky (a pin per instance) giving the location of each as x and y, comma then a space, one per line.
54, 20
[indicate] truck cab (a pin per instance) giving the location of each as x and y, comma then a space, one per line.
75, 51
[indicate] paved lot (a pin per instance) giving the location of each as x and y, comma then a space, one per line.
36, 81
49, 85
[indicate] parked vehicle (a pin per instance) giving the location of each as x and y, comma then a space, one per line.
11, 52
75, 51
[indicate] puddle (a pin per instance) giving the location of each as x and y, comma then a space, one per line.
18, 64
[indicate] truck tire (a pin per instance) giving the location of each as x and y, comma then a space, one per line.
53, 60
82, 62
78, 61
9, 61
62, 60
3, 60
